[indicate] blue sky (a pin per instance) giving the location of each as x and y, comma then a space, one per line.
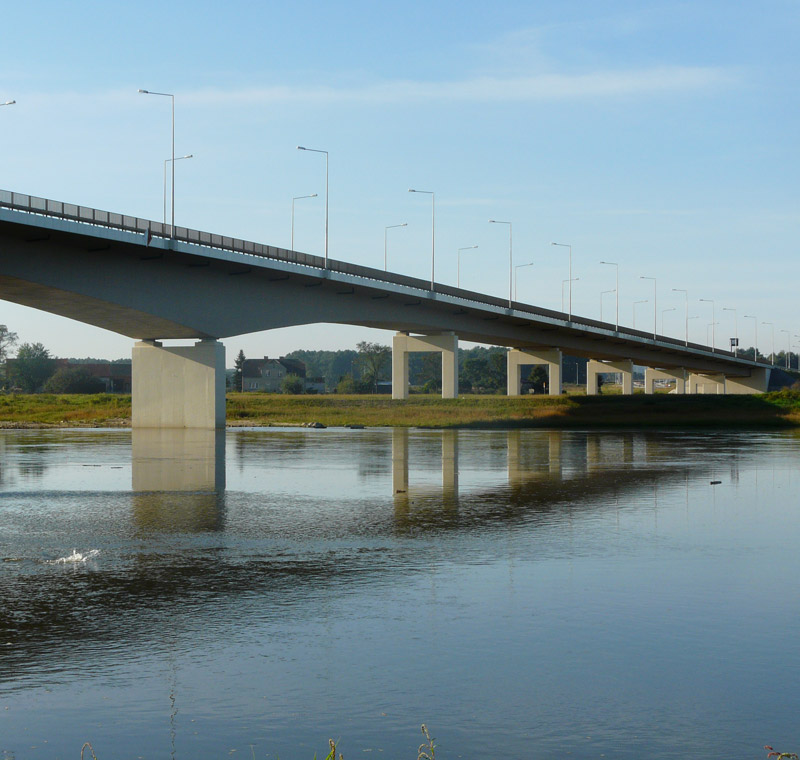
659, 135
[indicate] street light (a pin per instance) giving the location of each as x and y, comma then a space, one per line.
166, 161
385, 231
694, 316
772, 355
655, 322
433, 230
735, 329
603, 293
634, 311
663, 312
563, 283
510, 261
172, 97
519, 266
788, 346
710, 326
686, 294
713, 324
616, 290
458, 264
755, 327
315, 150
297, 198
567, 245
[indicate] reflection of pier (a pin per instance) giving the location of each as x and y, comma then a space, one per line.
178, 478
400, 479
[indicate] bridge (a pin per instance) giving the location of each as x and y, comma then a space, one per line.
150, 282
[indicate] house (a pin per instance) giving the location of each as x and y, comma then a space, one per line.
266, 375
116, 376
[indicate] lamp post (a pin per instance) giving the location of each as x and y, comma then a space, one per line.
458, 264
713, 324
172, 97
663, 312
385, 244
603, 293
166, 161
755, 327
694, 316
616, 290
772, 355
567, 245
297, 198
710, 326
433, 230
315, 150
519, 266
735, 329
686, 294
563, 283
788, 345
510, 261
655, 310
634, 311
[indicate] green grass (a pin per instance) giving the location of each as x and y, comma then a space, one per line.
779, 409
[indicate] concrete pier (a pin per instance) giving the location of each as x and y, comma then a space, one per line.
678, 375
595, 368
446, 344
516, 358
178, 386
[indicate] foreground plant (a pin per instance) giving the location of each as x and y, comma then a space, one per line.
780, 755
427, 750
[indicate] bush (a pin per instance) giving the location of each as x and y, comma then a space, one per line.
66, 380
291, 384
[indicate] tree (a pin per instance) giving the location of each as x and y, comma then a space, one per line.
292, 385
31, 367
8, 340
237, 375
73, 380
371, 359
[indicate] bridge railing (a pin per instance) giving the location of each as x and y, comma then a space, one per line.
87, 215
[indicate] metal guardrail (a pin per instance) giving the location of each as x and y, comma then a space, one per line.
108, 219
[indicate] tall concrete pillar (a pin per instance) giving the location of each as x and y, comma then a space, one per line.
445, 344
651, 375
178, 386
516, 358
758, 382
595, 368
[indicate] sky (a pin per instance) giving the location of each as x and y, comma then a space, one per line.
661, 136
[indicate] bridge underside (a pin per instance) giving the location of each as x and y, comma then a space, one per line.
167, 289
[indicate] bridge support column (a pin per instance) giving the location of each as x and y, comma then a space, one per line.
517, 357
403, 344
178, 386
707, 384
651, 375
595, 368
758, 382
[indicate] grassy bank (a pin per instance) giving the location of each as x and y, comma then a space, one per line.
104, 410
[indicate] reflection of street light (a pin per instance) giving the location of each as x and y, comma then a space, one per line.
314, 150
563, 283
169, 95
570, 280
655, 323
713, 324
755, 327
616, 290
510, 261
458, 263
166, 161
385, 231
686, 294
603, 293
663, 312
519, 266
634, 311
433, 229
736, 329
772, 355
298, 198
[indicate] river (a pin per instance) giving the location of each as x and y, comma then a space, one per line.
525, 594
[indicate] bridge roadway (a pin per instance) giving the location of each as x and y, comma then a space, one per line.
134, 277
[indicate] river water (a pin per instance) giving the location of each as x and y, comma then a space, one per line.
525, 594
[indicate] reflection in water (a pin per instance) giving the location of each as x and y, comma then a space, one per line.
178, 478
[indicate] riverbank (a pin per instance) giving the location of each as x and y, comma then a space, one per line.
769, 410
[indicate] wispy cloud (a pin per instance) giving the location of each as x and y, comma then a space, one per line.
542, 87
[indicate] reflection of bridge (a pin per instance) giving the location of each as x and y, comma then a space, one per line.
137, 278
